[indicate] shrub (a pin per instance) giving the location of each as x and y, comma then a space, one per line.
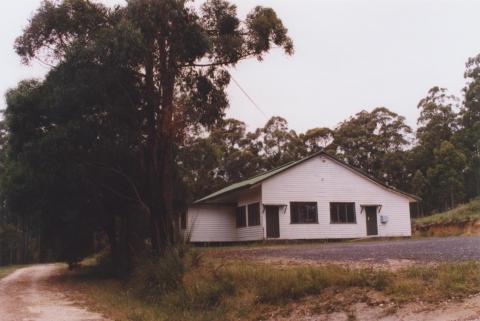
155, 277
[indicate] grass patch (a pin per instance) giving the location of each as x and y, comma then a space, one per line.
6, 270
446, 281
198, 287
460, 214
457, 221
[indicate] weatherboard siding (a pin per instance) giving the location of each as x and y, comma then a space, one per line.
217, 223
251, 233
211, 223
319, 179
323, 181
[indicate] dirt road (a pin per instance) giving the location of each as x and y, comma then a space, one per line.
25, 295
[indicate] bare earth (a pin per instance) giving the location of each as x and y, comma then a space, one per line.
379, 310
25, 295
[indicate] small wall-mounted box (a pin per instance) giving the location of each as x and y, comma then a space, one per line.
384, 219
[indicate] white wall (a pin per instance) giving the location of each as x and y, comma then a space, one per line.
323, 181
250, 233
211, 223
217, 223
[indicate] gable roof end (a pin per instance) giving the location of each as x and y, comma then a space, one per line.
245, 184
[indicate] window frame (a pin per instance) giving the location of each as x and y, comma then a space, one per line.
257, 220
294, 205
242, 208
346, 213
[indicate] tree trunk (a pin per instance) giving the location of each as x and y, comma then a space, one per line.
151, 154
160, 146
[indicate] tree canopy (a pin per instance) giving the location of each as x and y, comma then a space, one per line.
126, 85
129, 126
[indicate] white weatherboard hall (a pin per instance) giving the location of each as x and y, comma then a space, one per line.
318, 197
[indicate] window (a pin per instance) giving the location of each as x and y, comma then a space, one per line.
342, 213
254, 214
183, 220
241, 216
303, 212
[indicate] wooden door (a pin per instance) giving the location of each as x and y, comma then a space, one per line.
371, 215
273, 222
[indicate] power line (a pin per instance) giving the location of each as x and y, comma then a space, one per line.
249, 98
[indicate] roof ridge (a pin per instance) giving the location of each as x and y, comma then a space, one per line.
266, 172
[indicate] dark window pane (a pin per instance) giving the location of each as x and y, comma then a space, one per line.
351, 213
241, 216
294, 213
342, 213
303, 212
254, 214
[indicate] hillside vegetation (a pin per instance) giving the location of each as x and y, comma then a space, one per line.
463, 219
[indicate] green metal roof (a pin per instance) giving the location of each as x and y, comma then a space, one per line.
263, 176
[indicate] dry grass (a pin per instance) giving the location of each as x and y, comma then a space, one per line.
213, 289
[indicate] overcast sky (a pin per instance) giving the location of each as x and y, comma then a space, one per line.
349, 55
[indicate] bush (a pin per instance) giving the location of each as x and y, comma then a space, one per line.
155, 277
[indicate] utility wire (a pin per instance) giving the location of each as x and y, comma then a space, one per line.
249, 98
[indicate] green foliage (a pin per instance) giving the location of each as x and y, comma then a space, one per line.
469, 135
128, 127
316, 139
368, 139
437, 119
445, 174
11, 239
93, 147
156, 277
229, 154
464, 213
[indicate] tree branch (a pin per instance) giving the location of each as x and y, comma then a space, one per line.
218, 63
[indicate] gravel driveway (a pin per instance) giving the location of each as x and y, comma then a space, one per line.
27, 295
431, 249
